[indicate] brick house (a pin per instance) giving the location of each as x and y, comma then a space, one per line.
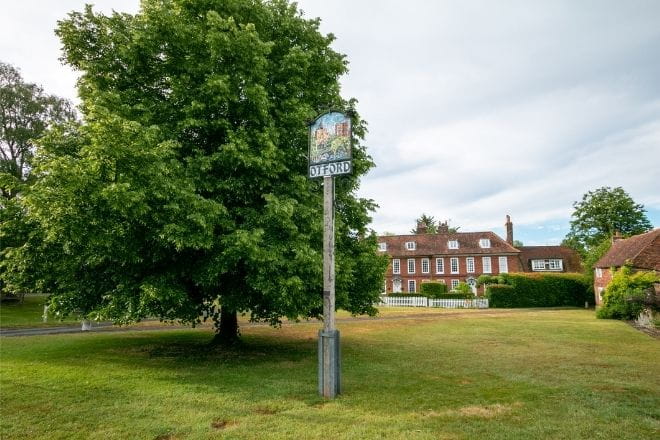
452, 258
641, 251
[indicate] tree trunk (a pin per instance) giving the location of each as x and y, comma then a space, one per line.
227, 331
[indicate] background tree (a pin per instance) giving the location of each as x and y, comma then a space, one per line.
186, 187
433, 226
600, 214
428, 221
25, 113
518, 243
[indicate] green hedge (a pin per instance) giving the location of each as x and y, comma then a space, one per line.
432, 290
540, 290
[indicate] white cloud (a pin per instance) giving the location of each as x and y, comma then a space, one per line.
475, 109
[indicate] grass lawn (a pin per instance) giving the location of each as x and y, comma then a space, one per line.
29, 314
523, 374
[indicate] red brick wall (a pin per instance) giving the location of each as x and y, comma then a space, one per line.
600, 283
447, 276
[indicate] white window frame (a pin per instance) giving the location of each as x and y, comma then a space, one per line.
599, 272
453, 260
557, 262
469, 264
411, 245
382, 247
454, 283
439, 265
486, 265
548, 265
411, 265
426, 265
396, 266
503, 263
484, 243
600, 293
452, 244
414, 286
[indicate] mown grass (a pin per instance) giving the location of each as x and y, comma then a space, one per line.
29, 313
518, 374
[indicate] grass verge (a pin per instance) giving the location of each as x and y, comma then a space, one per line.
523, 374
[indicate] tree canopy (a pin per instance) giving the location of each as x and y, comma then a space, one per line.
184, 192
603, 212
433, 226
25, 113
427, 221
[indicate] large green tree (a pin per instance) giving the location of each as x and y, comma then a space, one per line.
600, 214
184, 193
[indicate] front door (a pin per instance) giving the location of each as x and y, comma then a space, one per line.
473, 285
396, 286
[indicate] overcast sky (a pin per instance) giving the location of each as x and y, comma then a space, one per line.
476, 109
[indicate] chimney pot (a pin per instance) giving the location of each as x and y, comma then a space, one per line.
509, 230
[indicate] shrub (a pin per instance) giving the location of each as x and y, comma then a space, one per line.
486, 279
540, 290
624, 296
432, 290
463, 288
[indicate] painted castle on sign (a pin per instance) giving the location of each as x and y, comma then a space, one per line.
331, 138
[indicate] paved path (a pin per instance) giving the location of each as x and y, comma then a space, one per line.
109, 327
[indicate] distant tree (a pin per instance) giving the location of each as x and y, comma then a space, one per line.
517, 243
428, 221
450, 229
600, 214
433, 226
25, 114
185, 192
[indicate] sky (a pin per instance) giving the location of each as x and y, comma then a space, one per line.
475, 109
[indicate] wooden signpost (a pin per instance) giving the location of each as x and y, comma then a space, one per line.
329, 156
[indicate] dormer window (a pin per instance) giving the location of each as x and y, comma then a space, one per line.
382, 247
410, 246
484, 243
452, 244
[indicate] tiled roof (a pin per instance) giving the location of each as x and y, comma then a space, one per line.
436, 244
571, 260
642, 250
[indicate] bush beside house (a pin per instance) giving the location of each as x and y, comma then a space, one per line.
538, 290
626, 294
432, 290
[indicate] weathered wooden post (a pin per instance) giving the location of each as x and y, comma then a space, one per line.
329, 155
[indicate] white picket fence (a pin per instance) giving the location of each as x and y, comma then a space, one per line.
421, 301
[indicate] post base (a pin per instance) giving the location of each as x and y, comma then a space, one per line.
329, 363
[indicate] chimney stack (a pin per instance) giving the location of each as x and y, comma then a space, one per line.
443, 227
616, 237
421, 228
509, 230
